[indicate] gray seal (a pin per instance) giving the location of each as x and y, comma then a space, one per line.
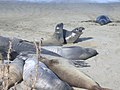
72, 36
62, 36
59, 33
15, 72
103, 20
66, 36
70, 74
71, 52
46, 79
57, 39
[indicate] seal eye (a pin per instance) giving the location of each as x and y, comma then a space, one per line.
77, 29
45, 69
57, 28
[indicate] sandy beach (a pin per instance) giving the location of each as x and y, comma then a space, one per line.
32, 21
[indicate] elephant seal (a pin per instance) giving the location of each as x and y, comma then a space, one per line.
19, 45
46, 79
72, 36
22, 86
102, 20
62, 36
66, 36
57, 39
62, 68
59, 34
70, 74
15, 72
72, 52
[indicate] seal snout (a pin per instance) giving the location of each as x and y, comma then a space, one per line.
59, 26
79, 29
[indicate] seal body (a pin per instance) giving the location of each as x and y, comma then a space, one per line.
46, 79
70, 74
18, 46
65, 36
58, 34
72, 36
15, 72
102, 20
72, 52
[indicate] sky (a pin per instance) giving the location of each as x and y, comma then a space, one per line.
70, 1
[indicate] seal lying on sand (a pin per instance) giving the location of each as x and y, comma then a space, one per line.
72, 52
22, 86
62, 68
46, 79
12, 73
102, 20
69, 73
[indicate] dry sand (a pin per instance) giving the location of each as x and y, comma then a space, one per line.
33, 21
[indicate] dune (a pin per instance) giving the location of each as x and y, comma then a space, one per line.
32, 21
